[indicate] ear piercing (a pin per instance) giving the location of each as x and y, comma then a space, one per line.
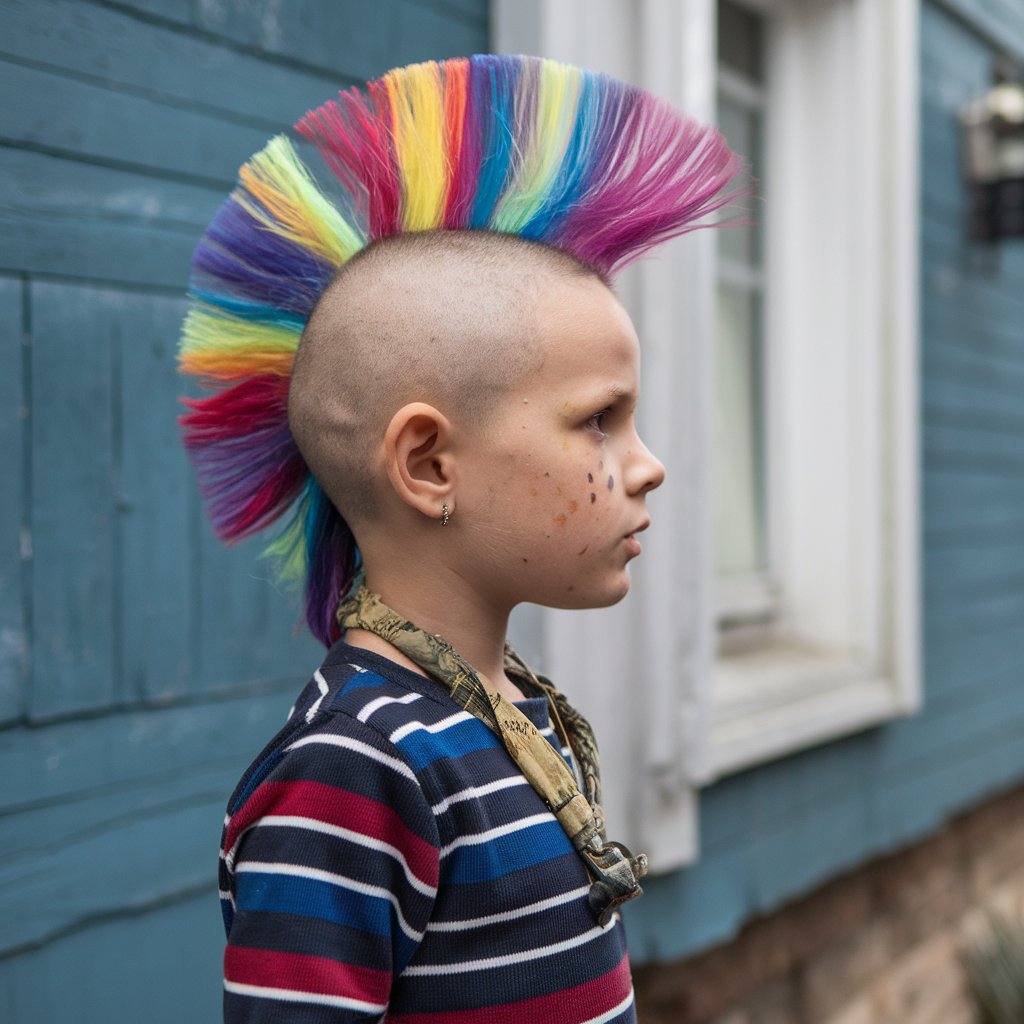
444, 515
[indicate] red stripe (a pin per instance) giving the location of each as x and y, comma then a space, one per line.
338, 807
568, 1006
297, 972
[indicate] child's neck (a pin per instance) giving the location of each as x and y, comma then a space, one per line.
476, 631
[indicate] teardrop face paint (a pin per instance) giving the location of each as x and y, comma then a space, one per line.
561, 480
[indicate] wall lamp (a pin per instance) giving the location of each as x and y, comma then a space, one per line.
993, 131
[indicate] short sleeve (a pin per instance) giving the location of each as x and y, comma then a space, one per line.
329, 874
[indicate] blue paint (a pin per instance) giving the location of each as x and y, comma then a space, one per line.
13, 639
160, 661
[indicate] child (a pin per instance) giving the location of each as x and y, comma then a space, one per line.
423, 840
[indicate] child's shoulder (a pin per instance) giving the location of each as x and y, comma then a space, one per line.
362, 719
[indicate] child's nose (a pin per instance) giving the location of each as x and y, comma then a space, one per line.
647, 471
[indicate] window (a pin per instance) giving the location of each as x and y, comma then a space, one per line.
746, 592
776, 605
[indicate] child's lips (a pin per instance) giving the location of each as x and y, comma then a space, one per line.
632, 544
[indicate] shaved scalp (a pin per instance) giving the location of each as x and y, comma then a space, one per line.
443, 317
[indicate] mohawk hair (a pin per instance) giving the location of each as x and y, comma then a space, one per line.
519, 145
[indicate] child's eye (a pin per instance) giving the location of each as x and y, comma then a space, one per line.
597, 420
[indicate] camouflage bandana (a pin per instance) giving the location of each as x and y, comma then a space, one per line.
614, 871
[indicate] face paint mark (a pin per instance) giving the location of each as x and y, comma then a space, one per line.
600, 463
570, 589
611, 483
558, 491
524, 561
572, 507
590, 478
547, 474
533, 492
584, 551
559, 520
593, 497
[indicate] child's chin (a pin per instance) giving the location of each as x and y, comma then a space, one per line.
583, 599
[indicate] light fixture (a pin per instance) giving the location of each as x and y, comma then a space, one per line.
993, 128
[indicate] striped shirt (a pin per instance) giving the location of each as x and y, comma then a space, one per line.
384, 859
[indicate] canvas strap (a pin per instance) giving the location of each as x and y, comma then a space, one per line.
614, 871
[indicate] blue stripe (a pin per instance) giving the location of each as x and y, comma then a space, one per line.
493, 86
486, 861
421, 748
361, 679
309, 897
246, 310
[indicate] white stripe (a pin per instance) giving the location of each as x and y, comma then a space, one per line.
224, 895
508, 915
290, 996
511, 958
341, 881
376, 705
322, 683
445, 723
369, 842
476, 838
360, 748
614, 1011
475, 791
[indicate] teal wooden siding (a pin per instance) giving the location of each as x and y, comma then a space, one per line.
141, 663
773, 833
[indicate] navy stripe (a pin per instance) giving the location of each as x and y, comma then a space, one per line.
288, 933
470, 990
459, 902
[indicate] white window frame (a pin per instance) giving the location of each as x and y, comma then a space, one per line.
842, 319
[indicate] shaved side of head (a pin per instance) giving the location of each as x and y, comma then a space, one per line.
443, 317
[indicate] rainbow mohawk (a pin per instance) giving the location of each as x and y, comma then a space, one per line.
521, 145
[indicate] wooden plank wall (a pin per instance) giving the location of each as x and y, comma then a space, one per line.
773, 833
141, 664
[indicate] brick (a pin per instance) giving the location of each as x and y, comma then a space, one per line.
861, 1011
830, 980
999, 859
733, 1017
922, 889
832, 913
920, 982
774, 1003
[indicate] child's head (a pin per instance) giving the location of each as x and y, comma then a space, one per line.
491, 375
475, 210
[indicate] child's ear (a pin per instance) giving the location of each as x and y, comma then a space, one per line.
418, 459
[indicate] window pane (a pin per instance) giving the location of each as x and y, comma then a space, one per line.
738, 440
742, 129
740, 40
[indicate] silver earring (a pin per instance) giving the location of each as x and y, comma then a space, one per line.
444, 515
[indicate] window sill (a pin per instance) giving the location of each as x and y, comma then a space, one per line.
783, 698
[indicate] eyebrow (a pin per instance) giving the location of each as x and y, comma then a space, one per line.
616, 393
